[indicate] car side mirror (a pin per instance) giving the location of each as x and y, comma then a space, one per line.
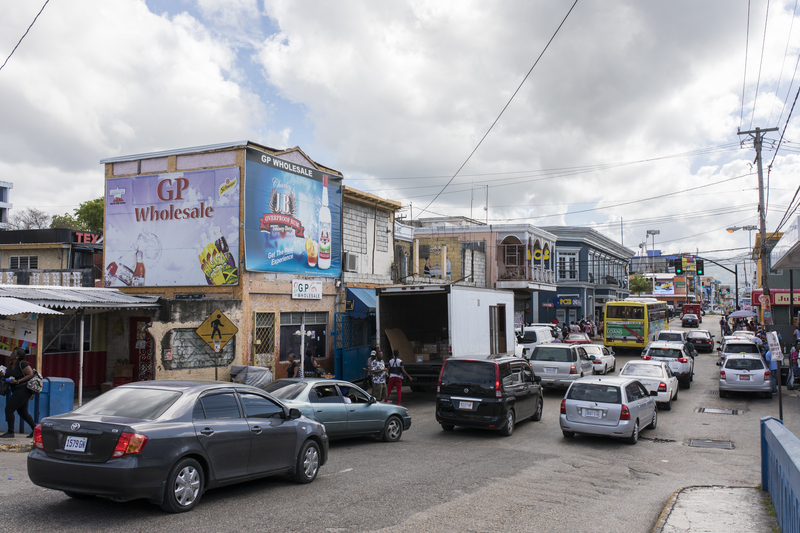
592, 358
653, 393
294, 414
372, 400
537, 379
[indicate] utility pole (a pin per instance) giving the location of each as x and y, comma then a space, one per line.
758, 138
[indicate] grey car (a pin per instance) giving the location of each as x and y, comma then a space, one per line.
677, 357
170, 441
745, 373
560, 364
344, 409
608, 406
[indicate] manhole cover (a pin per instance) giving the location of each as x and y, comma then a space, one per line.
718, 411
716, 444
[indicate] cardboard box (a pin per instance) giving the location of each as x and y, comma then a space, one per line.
123, 371
429, 348
422, 357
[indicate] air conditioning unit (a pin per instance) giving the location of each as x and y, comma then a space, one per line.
350, 262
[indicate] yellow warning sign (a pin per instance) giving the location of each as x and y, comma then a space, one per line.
217, 330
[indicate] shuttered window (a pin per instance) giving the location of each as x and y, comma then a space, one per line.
24, 262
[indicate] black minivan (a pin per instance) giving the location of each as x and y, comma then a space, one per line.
491, 393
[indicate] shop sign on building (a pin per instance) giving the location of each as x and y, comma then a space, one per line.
174, 229
306, 290
567, 301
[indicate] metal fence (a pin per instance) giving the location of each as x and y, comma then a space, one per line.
351, 341
780, 471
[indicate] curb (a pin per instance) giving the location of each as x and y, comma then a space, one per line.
665, 513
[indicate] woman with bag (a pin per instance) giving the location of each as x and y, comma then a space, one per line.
17, 376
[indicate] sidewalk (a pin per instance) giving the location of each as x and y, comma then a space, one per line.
716, 509
20, 443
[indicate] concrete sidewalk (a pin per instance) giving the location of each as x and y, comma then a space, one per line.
717, 509
20, 443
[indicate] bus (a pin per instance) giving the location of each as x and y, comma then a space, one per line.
633, 322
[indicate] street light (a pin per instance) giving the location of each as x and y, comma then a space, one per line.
654, 232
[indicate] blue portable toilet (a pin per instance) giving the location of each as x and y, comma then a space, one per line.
56, 398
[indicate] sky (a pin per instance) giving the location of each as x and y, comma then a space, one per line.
621, 116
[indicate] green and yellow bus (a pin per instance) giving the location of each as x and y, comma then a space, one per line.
634, 322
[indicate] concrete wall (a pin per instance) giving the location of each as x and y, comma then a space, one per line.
49, 258
367, 231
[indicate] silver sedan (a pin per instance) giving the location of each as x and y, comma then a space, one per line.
745, 373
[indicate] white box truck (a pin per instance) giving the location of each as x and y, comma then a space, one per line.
427, 324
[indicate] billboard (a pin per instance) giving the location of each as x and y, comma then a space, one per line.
292, 217
664, 286
174, 229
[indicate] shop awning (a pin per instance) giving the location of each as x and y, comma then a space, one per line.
786, 253
87, 298
13, 306
363, 302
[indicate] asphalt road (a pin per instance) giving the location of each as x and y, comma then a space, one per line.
465, 480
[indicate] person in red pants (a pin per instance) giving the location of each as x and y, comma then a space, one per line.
396, 372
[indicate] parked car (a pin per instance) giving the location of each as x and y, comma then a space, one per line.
676, 356
737, 345
609, 406
529, 337
655, 376
690, 321
560, 364
170, 441
492, 393
702, 340
745, 373
602, 358
343, 408
578, 338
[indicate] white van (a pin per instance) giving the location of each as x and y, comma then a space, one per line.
529, 337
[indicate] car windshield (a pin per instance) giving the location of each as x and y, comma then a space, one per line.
477, 373
576, 336
286, 390
690, 317
741, 348
144, 404
593, 349
641, 370
665, 352
744, 364
591, 392
548, 353
670, 337
698, 336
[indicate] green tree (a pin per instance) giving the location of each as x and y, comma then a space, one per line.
639, 284
65, 221
88, 217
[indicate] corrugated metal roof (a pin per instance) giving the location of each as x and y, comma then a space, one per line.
77, 297
13, 306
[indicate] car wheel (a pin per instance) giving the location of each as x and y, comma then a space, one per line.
768, 395
683, 384
634, 438
689, 383
605, 370
568, 434
691, 376
654, 422
667, 406
78, 495
184, 488
417, 388
393, 429
675, 397
723, 393
307, 463
508, 429
448, 427
537, 415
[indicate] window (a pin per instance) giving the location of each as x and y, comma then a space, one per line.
353, 394
325, 394
220, 406
256, 406
62, 333
567, 265
264, 337
633, 392
314, 325
143, 404
24, 262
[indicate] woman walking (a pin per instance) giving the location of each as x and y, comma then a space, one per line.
18, 374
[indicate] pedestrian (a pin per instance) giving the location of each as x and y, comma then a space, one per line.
311, 367
588, 329
368, 372
793, 362
796, 336
396, 373
773, 370
564, 330
294, 368
18, 374
722, 323
378, 378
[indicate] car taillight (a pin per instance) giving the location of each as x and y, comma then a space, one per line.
646, 357
564, 407
129, 443
441, 371
721, 374
767, 375
624, 414
37, 437
497, 392
597, 362
662, 387
682, 360
573, 370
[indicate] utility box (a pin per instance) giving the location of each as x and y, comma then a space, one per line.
57, 397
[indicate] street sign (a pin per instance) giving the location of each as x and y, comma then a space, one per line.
217, 330
774, 345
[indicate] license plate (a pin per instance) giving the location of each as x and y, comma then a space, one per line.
744, 378
591, 413
465, 405
550, 370
75, 444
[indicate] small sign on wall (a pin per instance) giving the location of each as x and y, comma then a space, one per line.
306, 290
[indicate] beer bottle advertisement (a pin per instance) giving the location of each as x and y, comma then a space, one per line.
292, 217
173, 229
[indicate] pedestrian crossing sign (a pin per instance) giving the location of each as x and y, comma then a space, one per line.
217, 330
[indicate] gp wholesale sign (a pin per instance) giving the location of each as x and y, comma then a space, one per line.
292, 217
174, 229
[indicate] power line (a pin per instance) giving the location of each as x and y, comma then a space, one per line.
506, 106
783, 63
24, 34
760, 64
744, 76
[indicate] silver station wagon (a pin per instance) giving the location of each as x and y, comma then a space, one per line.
560, 364
608, 406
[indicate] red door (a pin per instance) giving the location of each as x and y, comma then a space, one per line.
141, 349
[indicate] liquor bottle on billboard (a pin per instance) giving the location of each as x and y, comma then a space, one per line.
111, 274
324, 260
138, 271
117, 273
222, 245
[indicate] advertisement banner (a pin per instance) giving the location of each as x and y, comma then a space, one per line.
664, 286
621, 330
292, 217
175, 229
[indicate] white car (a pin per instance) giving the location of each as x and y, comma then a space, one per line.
655, 376
674, 354
604, 360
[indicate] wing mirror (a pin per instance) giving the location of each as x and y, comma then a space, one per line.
294, 414
537, 379
372, 400
592, 358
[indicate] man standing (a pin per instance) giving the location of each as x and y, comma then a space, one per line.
773, 370
396, 372
378, 378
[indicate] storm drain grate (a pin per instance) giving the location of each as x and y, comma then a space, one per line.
715, 444
713, 392
718, 411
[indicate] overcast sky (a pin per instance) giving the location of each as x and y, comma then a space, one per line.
628, 122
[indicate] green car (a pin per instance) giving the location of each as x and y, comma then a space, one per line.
343, 408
